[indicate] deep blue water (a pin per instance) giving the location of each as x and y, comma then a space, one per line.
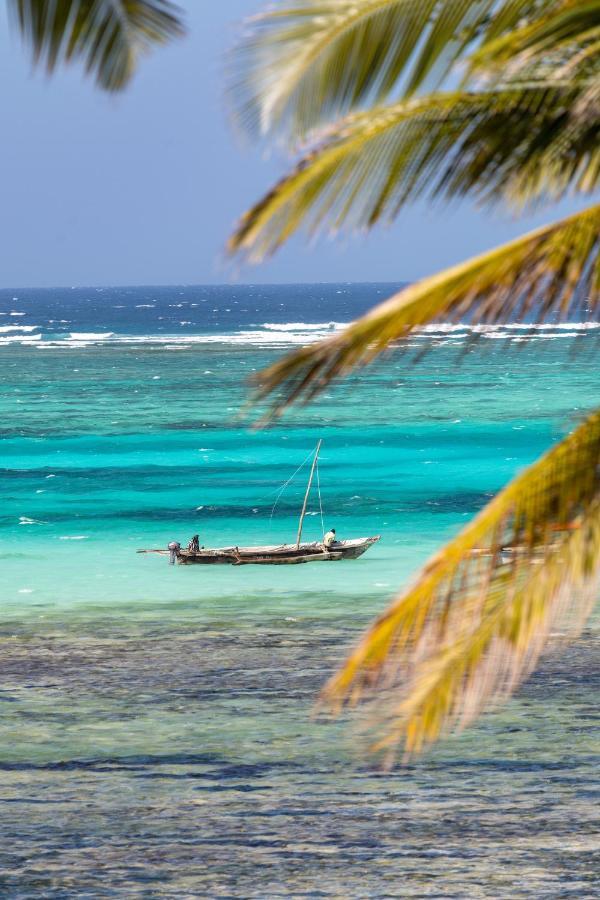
184, 310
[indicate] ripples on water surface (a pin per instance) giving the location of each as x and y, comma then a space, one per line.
156, 736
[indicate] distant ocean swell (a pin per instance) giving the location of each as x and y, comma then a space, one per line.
270, 334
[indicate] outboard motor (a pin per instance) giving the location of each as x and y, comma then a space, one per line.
174, 547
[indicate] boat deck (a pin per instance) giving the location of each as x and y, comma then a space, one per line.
273, 554
278, 554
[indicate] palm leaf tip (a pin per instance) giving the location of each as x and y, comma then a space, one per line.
107, 36
475, 623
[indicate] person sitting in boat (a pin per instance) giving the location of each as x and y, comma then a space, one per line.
194, 544
329, 539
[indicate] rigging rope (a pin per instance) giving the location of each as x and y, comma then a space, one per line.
302, 464
320, 503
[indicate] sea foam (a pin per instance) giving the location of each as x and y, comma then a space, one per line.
20, 338
273, 335
4, 329
91, 335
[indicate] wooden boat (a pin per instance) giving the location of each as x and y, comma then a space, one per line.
282, 554
277, 554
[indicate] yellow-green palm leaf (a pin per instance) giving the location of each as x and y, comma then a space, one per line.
554, 270
523, 128
483, 609
304, 62
568, 31
515, 143
108, 36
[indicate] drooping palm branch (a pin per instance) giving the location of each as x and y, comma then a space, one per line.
108, 36
481, 611
570, 29
516, 122
519, 140
553, 271
527, 134
515, 143
306, 62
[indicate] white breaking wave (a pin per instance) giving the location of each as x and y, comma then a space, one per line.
442, 328
290, 334
305, 326
252, 338
568, 326
20, 339
6, 328
91, 335
532, 337
509, 326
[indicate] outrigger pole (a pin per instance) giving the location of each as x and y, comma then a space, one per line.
303, 513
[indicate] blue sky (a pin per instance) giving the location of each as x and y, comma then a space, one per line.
143, 188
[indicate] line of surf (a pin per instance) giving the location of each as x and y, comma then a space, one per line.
274, 335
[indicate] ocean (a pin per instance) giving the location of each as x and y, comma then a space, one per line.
158, 737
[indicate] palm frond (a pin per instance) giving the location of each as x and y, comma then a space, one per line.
306, 62
515, 144
554, 270
566, 30
482, 610
108, 36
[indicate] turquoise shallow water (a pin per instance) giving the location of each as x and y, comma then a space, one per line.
156, 735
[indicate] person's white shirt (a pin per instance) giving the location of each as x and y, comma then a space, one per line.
329, 538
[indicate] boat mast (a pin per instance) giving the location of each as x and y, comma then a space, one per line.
303, 513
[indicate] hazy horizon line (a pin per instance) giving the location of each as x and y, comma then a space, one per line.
188, 284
